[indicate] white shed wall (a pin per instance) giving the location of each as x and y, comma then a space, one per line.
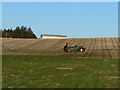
52, 37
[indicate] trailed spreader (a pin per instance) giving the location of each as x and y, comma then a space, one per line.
74, 48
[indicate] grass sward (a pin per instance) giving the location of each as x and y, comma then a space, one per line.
58, 72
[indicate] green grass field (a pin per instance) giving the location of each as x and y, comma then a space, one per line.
58, 72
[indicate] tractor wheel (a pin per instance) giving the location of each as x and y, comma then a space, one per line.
81, 50
68, 50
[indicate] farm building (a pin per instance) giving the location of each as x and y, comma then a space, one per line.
48, 36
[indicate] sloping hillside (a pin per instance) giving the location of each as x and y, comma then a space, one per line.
96, 47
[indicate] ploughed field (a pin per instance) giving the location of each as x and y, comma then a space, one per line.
96, 47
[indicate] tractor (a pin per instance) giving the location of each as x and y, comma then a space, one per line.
74, 48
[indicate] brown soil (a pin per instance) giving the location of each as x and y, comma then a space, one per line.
96, 47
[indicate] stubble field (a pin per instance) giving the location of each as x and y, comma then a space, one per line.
96, 47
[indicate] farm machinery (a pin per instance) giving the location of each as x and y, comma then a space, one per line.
74, 48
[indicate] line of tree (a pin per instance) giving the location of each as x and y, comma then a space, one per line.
18, 32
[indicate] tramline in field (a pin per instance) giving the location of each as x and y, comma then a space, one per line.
96, 47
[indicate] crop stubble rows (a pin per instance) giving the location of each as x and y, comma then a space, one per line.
96, 47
